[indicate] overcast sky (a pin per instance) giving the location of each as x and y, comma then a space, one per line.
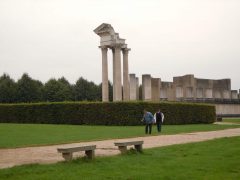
54, 38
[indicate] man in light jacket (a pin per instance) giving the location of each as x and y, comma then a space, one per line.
148, 120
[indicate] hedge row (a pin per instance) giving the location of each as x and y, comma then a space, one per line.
97, 113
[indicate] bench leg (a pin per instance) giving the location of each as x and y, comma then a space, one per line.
138, 147
90, 154
123, 149
67, 156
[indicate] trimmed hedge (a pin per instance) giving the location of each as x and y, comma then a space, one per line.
98, 113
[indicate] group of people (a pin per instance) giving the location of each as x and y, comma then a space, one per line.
149, 119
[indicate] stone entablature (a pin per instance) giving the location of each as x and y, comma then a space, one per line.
109, 39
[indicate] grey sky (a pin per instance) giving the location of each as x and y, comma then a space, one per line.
54, 38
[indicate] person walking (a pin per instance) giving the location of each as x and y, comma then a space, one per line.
148, 120
159, 120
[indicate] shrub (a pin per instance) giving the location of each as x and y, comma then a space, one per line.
98, 113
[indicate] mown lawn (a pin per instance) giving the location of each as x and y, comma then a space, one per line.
20, 135
215, 159
232, 120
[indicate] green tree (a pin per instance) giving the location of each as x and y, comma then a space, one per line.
8, 89
28, 90
57, 90
69, 89
86, 91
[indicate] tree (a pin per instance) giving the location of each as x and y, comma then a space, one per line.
69, 89
57, 90
28, 90
86, 91
8, 89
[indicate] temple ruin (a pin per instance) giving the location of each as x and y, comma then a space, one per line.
182, 88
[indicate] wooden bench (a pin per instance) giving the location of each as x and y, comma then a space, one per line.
122, 146
67, 153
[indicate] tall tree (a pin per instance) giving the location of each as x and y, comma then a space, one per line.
57, 90
8, 89
29, 90
86, 91
69, 89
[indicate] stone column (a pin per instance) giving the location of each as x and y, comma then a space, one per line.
133, 86
155, 83
137, 88
117, 75
146, 87
126, 89
114, 76
105, 93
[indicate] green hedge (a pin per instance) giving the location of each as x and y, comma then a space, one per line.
97, 113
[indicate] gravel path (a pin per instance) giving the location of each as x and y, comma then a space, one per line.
48, 154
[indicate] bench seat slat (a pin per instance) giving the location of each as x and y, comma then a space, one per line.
128, 143
76, 149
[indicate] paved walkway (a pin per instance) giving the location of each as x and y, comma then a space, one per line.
48, 154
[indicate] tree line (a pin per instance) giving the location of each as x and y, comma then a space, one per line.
27, 90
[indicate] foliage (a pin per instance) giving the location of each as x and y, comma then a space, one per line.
57, 90
86, 91
97, 113
8, 89
28, 90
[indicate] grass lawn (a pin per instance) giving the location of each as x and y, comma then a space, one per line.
215, 159
232, 120
20, 135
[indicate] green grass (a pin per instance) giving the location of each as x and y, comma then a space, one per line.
232, 120
215, 159
21, 135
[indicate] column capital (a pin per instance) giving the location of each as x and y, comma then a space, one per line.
103, 47
126, 50
117, 46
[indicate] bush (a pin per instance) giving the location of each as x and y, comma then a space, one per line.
98, 113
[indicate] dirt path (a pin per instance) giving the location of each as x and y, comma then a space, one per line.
48, 154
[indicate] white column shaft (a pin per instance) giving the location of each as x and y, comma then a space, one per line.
126, 88
105, 92
114, 75
117, 74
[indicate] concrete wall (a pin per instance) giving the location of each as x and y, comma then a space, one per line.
155, 83
234, 94
185, 86
188, 88
146, 87
133, 85
227, 109
137, 88
226, 94
167, 91
200, 93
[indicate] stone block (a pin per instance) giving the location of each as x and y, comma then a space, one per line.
155, 83
146, 87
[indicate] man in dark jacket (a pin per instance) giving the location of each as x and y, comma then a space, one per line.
159, 120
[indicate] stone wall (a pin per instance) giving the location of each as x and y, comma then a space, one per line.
228, 109
188, 88
146, 87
